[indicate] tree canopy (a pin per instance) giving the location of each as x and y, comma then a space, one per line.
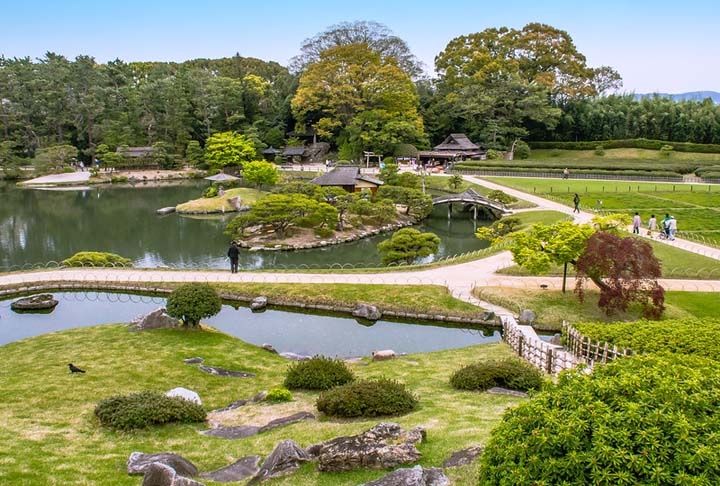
228, 148
408, 245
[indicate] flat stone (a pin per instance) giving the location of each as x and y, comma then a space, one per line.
415, 476
223, 372
496, 390
235, 432
196, 360
463, 457
138, 462
237, 471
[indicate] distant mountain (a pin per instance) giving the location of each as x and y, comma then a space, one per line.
692, 96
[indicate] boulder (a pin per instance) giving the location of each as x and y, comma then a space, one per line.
139, 462
196, 360
237, 471
269, 347
366, 311
156, 319
258, 303
384, 446
236, 203
166, 210
286, 458
527, 317
159, 474
34, 302
415, 476
211, 370
242, 431
185, 393
296, 357
383, 354
463, 457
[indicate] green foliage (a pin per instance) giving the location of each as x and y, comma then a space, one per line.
191, 302
317, 373
522, 151
367, 398
493, 154
513, 373
194, 154
642, 143
455, 181
211, 191
96, 259
498, 229
419, 205
389, 173
666, 151
407, 245
279, 395
682, 336
640, 420
599, 150
260, 173
501, 197
141, 410
228, 148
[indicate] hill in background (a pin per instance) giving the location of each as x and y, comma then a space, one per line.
691, 96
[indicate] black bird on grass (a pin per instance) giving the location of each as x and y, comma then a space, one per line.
75, 369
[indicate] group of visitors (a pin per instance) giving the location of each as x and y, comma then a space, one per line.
668, 226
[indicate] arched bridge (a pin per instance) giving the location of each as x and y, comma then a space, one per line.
472, 198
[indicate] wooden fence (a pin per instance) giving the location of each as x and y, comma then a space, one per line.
589, 351
551, 358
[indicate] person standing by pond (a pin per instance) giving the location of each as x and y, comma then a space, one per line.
636, 223
233, 254
576, 201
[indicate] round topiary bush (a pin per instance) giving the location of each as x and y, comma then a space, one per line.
96, 259
367, 398
317, 373
191, 302
140, 410
512, 373
648, 419
279, 395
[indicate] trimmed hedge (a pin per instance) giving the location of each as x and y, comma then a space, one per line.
141, 410
639, 420
685, 336
512, 373
642, 143
367, 398
96, 259
317, 373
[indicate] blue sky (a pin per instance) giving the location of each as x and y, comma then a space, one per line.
656, 46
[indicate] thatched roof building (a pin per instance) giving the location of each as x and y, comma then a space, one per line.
349, 178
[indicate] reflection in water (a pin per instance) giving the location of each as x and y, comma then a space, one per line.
40, 226
301, 333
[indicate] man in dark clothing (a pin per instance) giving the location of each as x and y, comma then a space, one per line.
233, 254
576, 201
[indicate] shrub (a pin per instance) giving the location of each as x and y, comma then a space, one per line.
211, 191
367, 398
522, 151
96, 259
512, 373
643, 420
599, 150
140, 410
279, 395
501, 197
666, 151
191, 302
493, 154
324, 232
317, 373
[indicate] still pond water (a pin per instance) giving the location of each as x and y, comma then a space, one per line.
300, 333
39, 226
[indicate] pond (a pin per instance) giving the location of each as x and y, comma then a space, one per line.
300, 333
39, 226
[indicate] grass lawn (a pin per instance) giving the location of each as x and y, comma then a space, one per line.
695, 206
551, 307
49, 433
220, 203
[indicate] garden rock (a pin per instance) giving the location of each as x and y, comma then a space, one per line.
237, 471
295, 356
223, 372
384, 446
269, 347
259, 303
286, 458
197, 360
416, 476
526, 317
188, 395
157, 319
242, 431
138, 463
463, 457
367, 311
383, 354
34, 302
505, 391
159, 474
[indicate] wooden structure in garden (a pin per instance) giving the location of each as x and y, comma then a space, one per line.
475, 201
349, 178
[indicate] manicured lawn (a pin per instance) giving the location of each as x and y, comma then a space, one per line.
695, 206
49, 434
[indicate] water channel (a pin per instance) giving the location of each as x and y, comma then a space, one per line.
39, 226
300, 333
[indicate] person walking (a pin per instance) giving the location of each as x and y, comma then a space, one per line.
652, 225
672, 227
233, 254
636, 223
576, 201
665, 225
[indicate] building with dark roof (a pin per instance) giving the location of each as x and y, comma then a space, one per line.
349, 178
457, 146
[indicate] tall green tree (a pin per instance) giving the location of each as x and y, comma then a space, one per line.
260, 173
228, 148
